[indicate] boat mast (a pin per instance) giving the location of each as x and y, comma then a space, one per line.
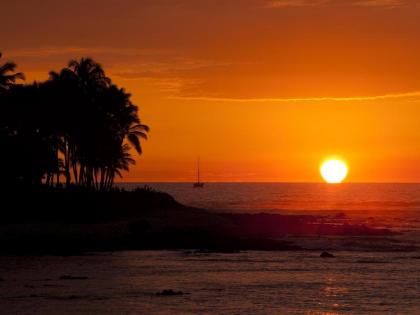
198, 170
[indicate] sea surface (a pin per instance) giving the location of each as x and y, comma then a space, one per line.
372, 280
281, 197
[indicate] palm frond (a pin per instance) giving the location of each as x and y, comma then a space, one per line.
74, 64
7, 67
12, 77
53, 75
118, 173
140, 127
134, 140
140, 134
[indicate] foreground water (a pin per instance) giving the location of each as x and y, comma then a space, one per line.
241, 283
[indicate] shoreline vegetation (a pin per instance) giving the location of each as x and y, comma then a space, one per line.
66, 139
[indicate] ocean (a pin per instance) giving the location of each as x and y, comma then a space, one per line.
359, 281
292, 197
241, 283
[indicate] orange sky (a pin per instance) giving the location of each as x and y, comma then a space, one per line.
262, 90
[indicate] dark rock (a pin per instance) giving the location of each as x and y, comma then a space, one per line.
216, 251
169, 292
326, 255
67, 277
2, 280
340, 216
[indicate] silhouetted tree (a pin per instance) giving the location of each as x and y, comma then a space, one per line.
7, 78
27, 138
77, 124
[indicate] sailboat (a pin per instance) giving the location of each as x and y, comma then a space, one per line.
198, 184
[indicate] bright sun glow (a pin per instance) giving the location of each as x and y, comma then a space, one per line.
334, 171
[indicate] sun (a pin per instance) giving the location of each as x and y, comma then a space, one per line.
334, 171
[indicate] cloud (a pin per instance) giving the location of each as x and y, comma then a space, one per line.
296, 3
408, 95
75, 51
317, 3
385, 3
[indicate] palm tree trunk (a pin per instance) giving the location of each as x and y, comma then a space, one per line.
111, 184
58, 168
75, 175
81, 174
96, 178
101, 187
67, 162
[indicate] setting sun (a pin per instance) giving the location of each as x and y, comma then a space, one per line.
334, 171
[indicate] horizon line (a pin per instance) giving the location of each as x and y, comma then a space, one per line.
262, 182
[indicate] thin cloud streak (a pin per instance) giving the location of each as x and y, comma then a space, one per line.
384, 3
295, 3
45, 52
318, 3
310, 99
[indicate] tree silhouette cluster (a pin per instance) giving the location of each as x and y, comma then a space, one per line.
74, 129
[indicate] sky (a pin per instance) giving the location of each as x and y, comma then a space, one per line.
261, 90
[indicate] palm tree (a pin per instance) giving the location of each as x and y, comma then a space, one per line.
7, 79
122, 117
89, 73
80, 83
121, 127
124, 114
120, 161
96, 147
92, 82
